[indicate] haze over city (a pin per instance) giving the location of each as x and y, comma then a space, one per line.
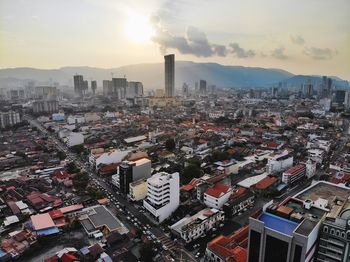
303, 37
174, 131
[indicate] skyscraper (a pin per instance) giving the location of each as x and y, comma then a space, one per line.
78, 85
203, 87
119, 87
93, 86
169, 75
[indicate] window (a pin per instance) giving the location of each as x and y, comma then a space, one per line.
254, 246
332, 231
275, 249
325, 229
297, 253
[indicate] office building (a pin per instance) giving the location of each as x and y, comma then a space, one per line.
334, 235
203, 87
138, 190
169, 75
93, 87
45, 106
294, 174
288, 232
8, 119
107, 87
119, 86
134, 89
79, 85
279, 162
131, 171
163, 195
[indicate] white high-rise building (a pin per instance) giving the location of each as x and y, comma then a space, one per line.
163, 195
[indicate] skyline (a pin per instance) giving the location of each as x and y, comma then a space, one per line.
133, 32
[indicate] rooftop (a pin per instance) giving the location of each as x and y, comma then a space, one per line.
324, 190
277, 223
42, 221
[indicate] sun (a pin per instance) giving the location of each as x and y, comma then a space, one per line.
138, 27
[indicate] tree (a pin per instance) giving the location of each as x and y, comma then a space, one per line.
72, 168
78, 149
146, 252
170, 144
191, 171
61, 155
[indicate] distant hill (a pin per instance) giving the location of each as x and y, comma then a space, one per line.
152, 75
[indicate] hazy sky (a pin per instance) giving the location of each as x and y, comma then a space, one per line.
301, 36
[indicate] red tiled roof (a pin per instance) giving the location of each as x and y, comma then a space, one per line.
295, 169
231, 248
56, 214
239, 191
266, 182
67, 257
217, 190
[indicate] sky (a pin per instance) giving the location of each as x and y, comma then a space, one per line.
300, 36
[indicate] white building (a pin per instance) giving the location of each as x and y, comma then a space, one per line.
316, 155
217, 195
74, 139
75, 119
191, 228
163, 195
8, 119
279, 162
92, 117
114, 156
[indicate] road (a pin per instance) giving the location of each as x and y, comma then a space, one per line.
172, 251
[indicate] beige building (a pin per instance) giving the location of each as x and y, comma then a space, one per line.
138, 190
164, 101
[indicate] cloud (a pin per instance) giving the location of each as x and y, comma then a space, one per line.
319, 53
240, 52
194, 42
279, 53
220, 50
297, 39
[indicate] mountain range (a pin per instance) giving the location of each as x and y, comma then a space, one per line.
152, 75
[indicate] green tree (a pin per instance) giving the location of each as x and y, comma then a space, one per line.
170, 144
191, 171
146, 252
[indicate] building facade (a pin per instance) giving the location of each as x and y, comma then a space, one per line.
163, 195
169, 75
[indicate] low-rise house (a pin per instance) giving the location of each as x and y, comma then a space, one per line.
240, 199
217, 195
232, 248
99, 219
191, 228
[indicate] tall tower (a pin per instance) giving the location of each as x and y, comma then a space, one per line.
78, 85
169, 62
93, 86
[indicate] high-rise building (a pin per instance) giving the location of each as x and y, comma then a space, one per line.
169, 75
203, 87
107, 87
163, 195
290, 231
45, 106
9, 118
185, 90
119, 86
79, 85
134, 89
93, 86
131, 171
